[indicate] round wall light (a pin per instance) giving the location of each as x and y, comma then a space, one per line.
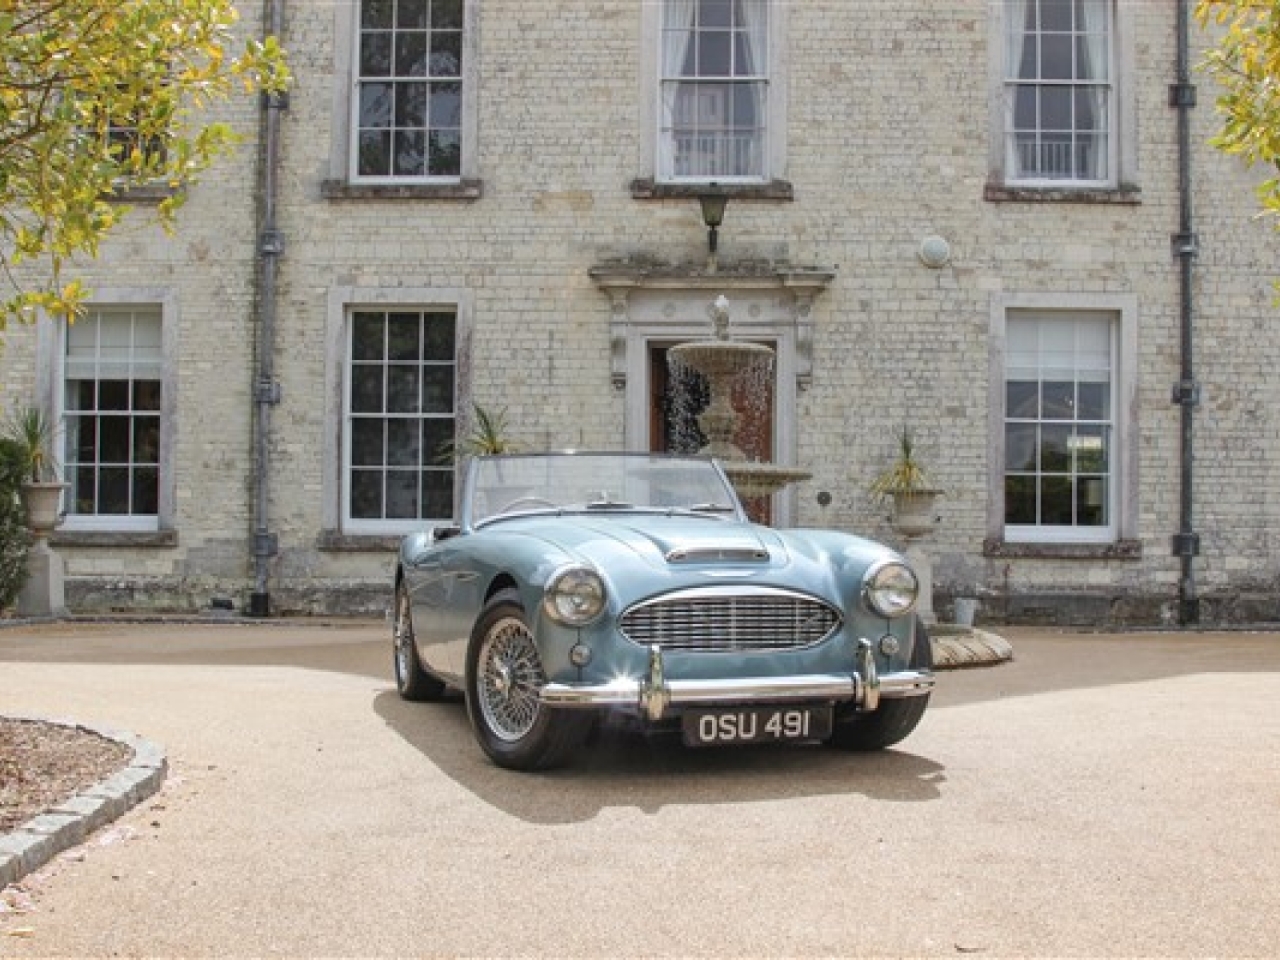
935, 252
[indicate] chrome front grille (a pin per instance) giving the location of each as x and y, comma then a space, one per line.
728, 620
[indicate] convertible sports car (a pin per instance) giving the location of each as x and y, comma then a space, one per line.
581, 583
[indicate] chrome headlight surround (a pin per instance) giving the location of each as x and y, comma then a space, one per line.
574, 596
890, 588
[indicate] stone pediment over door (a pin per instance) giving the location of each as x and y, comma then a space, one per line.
651, 310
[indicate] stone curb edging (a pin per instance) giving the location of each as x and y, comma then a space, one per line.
34, 843
969, 648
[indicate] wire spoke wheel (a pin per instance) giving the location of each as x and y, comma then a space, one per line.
509, 679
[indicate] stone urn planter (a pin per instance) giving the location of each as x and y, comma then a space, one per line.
43, 503
913, 512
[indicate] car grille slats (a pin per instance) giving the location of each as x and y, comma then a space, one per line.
721, 622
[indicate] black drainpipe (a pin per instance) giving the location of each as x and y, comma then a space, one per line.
1186, 392
266, 388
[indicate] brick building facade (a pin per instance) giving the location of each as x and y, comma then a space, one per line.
975, 217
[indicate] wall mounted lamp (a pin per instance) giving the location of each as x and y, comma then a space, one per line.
713, 203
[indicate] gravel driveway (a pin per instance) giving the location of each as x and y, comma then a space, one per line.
1098, 796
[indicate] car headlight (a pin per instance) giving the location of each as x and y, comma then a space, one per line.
891, 589
574, 596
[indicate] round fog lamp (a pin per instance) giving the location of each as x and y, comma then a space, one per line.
580, 655
889, 645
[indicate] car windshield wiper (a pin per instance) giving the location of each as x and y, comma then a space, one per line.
610, 505
702, 510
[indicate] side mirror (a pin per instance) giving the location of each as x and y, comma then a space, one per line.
444, 533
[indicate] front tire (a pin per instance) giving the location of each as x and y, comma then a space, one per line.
895, 718
412, 682
504, 681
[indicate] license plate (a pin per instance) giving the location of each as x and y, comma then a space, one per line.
726, 725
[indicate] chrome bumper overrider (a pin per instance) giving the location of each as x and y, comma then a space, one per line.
653, 693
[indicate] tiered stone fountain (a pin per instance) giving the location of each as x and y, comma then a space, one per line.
724, 361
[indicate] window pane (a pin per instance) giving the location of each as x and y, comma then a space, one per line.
715, 13
411, 105
437, 434
1056, 58
1022, 399
366, 389
367, 449
403, 330
114, 439
376, 101
113, 395
1020, 499
1056, 502
446, 14
113, 491
366, 336
146, 491
437, 493
403, 443
1091, 501
411, 153
376, 14
1020, 446
146, 440
437, 390
439, 337
1057, 400
402, 495
446, 154
375, 55
146, 395
446, 54
1055, 449
402, 388
412, 13
411, 54
1055, 14
375, 153
446, 105
366, 494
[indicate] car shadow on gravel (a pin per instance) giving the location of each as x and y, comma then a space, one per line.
620, 768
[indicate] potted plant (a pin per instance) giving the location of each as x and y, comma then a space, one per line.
906, 484
29, 436
487, 435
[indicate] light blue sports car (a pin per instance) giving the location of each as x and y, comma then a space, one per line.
582, 583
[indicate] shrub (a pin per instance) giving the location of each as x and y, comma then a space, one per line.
14, 539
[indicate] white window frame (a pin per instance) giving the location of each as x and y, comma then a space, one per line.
343, 303
343, 165
1122, 154
165, 302
1122, 507
775, 112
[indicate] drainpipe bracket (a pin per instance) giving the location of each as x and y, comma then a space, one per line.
1186, 244
1186, 544
265, 545
1186, 393
276, 101
267, 391
1182, 94
271, 243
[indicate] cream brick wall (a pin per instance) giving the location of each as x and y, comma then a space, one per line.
888, 142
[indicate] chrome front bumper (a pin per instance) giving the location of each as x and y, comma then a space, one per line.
654, 693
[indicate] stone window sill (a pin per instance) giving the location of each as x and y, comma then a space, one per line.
1006, 550
341, 190
335, 541
647, 189
150, 193
999, 193
114, 538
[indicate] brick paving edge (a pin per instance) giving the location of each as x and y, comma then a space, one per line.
31, 845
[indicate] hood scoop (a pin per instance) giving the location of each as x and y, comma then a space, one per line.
714, 554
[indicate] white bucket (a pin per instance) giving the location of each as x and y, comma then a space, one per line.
966, 607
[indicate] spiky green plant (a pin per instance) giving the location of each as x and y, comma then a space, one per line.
906, 474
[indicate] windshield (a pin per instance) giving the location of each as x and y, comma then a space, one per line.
572, 482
